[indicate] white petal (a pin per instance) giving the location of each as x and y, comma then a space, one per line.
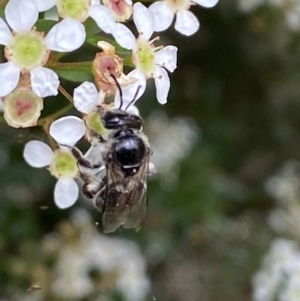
167, 57
66, 36
186, 23
37, 154
65, 193
103, 17
163, 15
67, 130
5, 34
130, 90
44, 5
206, 3
162, 83
21, 15
143, 20
95, 2
123, 36
44, 82
85, 97
9, 77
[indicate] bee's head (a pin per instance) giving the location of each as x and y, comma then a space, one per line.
118, 119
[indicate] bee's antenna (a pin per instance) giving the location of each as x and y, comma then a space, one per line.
134, 97
120, 90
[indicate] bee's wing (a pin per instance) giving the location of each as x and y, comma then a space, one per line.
130, 208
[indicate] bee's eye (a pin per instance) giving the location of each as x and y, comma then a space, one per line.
115, 120
110, 120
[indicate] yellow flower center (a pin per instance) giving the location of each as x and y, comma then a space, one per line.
144, 57
178, 5
27, 50
75, 9
64, 164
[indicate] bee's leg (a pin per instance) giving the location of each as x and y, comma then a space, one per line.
99, 203
92, 187
83, 161
97, 137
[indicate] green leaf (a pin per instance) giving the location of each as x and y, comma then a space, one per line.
91, 27
44, 25
128, 61
75, 72
76, 76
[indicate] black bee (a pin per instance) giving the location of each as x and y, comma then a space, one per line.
119, 190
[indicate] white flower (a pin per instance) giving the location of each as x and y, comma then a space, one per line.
149, 61
80, 10
87, 98
62, 164
27, 50
186, 22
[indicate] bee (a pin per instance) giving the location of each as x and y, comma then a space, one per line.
119, 190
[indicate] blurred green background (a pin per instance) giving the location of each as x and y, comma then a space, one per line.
230, 124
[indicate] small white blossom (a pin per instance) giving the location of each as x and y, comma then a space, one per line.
113, 256
186, 22
87, 98
150, 62
281, 266
27, 50
62, 164
80, 10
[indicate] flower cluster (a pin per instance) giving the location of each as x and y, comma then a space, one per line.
284, 188
36, 52
279, 276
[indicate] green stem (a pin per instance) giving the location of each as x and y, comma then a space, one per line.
57, 65
65, 93
54, 116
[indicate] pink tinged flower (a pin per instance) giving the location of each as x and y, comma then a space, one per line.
61, 163
122, 9
186, 22
80, 10
150, 61
27, 50
22, 108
